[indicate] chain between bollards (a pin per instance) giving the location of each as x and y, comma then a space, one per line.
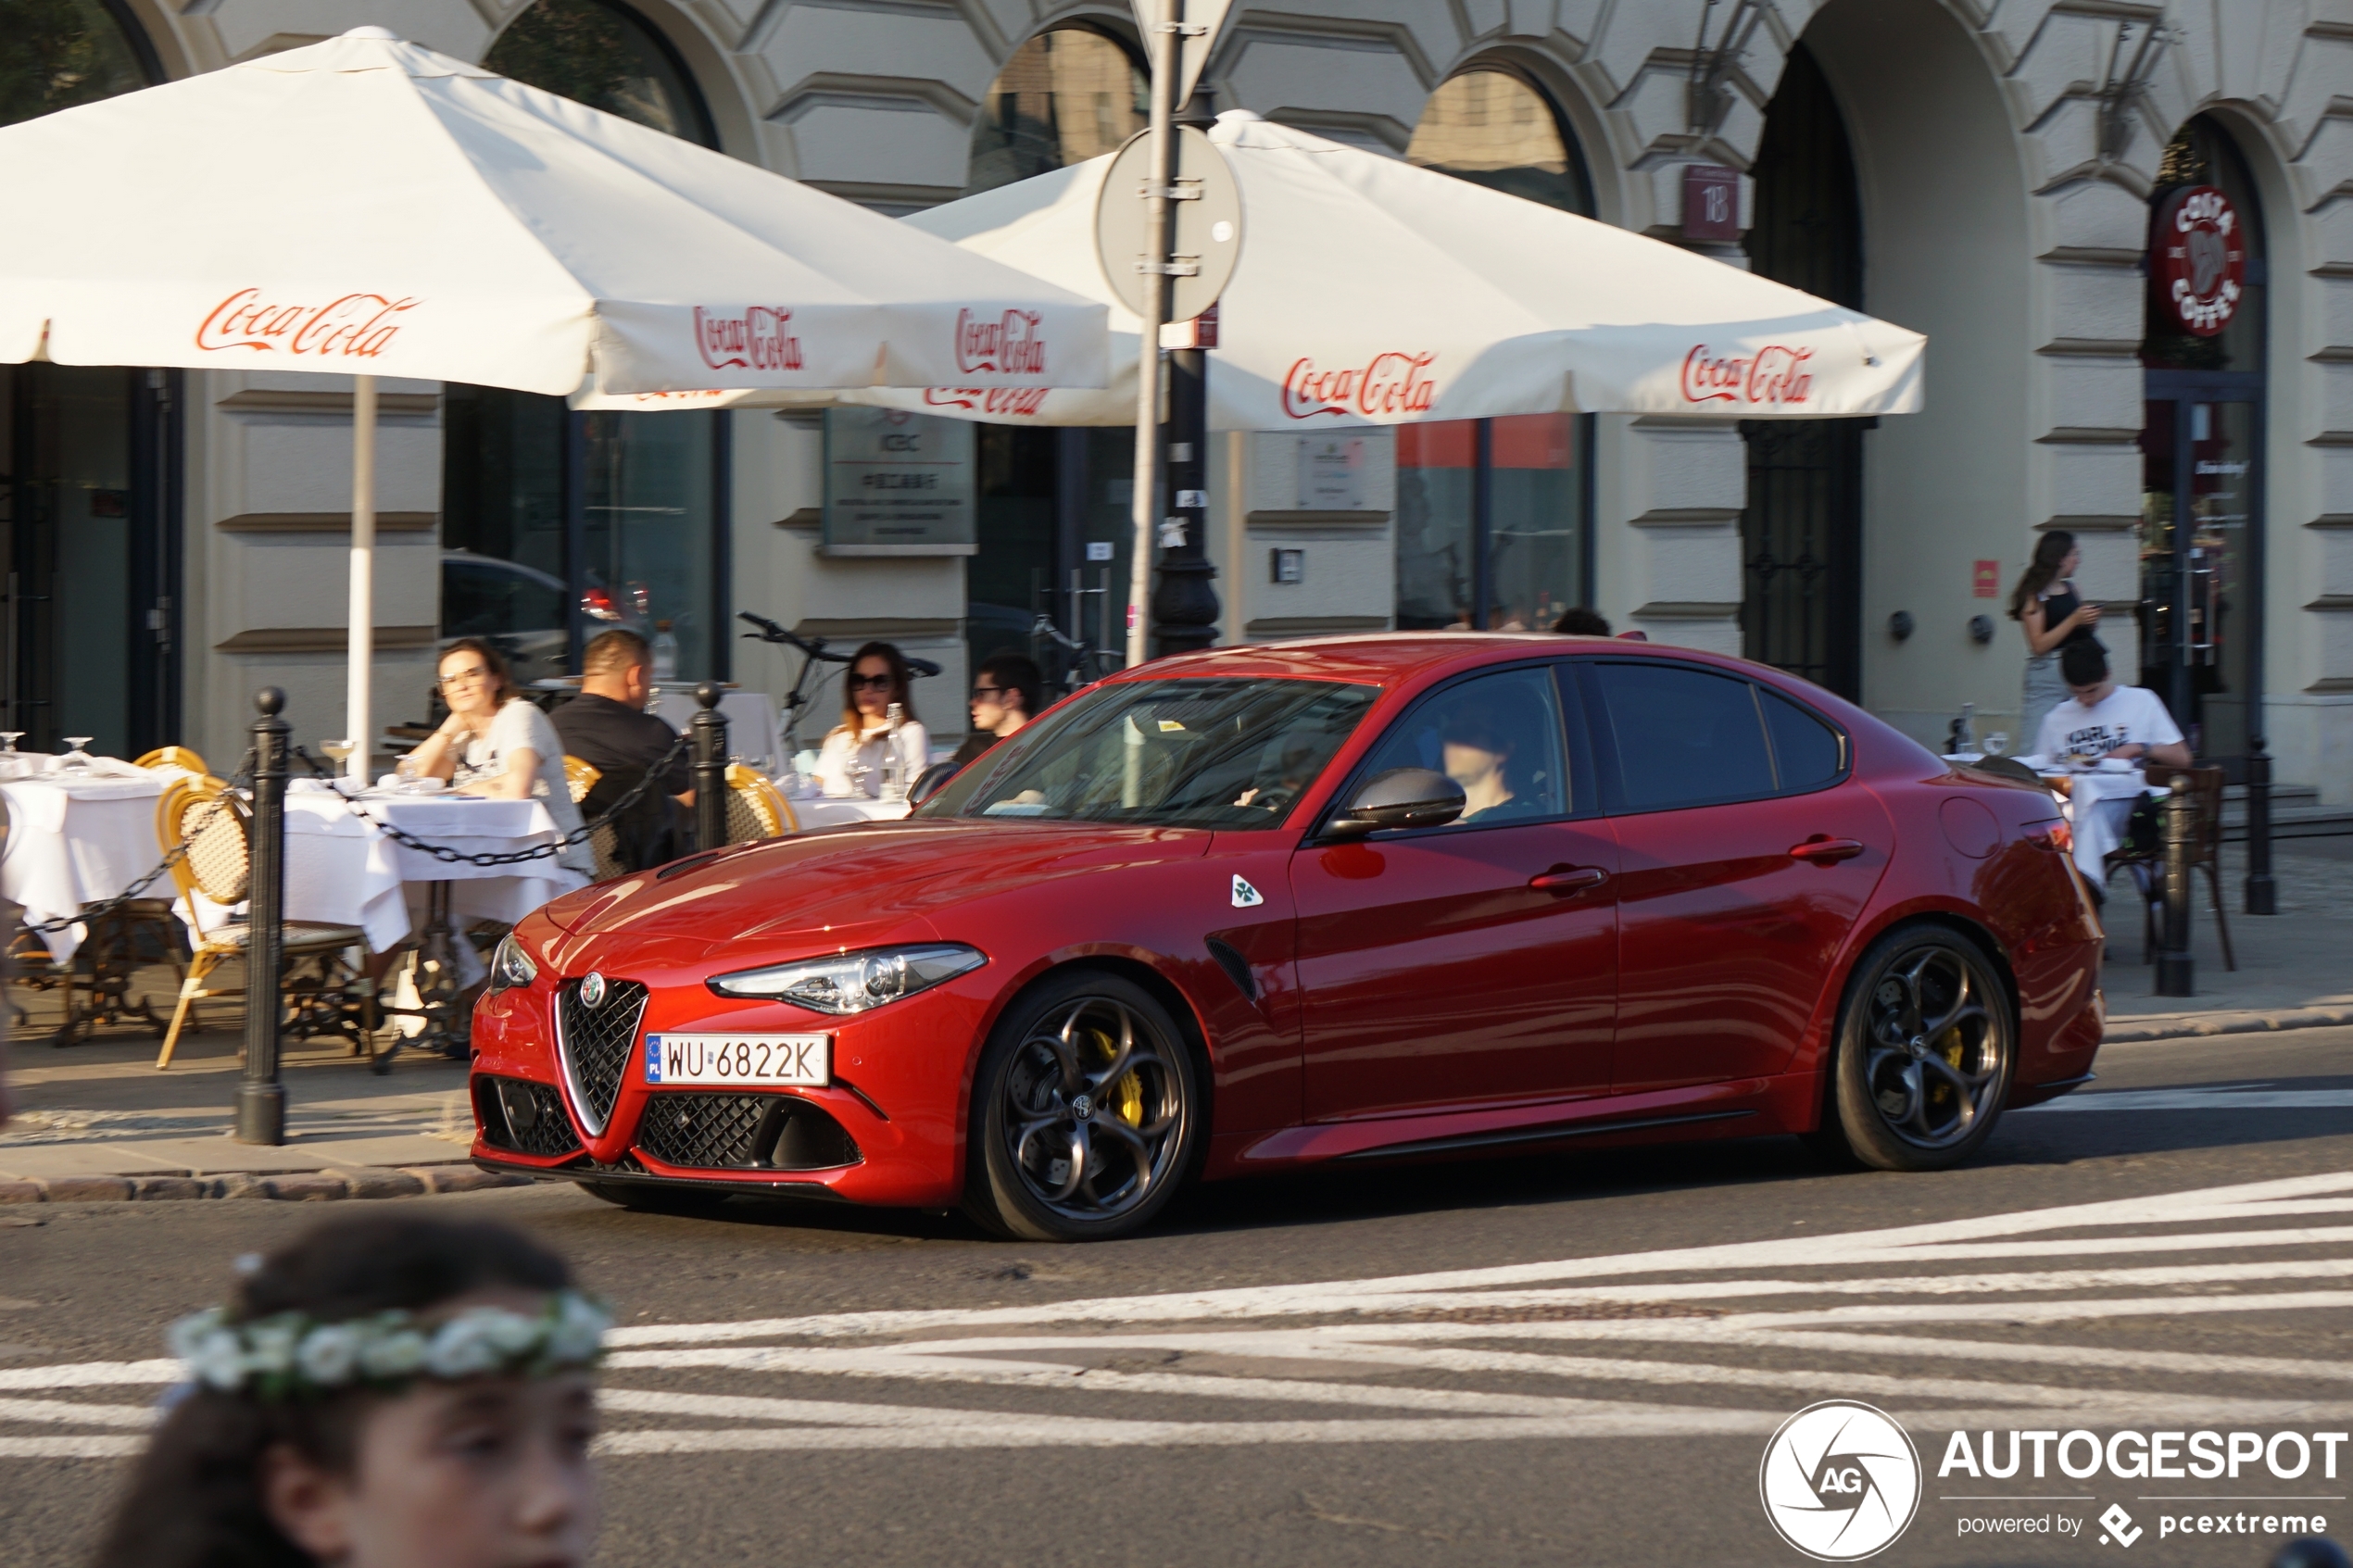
708, 728
2263, 893
261, 1098
2175, 972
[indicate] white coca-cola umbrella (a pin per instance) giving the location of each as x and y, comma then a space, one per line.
1372, 291
367, 206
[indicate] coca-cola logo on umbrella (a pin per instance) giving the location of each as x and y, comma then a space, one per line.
1009, 346
350, 326
1022, 402
1773, 375
1396, 382
2199, 256
757, 337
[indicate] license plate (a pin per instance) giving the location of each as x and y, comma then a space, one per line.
756, 1059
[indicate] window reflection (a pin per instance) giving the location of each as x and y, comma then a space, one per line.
57, 54
1521, 566
604, 57
1064, 97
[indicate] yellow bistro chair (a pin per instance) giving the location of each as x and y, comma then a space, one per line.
210, 820
755, 809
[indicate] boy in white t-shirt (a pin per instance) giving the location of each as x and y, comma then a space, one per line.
2102, 719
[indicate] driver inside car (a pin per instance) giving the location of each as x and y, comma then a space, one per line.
1477, 748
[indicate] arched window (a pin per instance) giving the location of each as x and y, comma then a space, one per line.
1063, 97
605, 56
555, 525
1494, 128
1494, 515
1051, 501
55, 54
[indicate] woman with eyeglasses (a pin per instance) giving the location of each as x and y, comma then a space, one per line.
859, 750
497, 744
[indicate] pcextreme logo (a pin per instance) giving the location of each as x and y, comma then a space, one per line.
1840, 1481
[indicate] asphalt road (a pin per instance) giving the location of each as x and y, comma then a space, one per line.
1546, 1359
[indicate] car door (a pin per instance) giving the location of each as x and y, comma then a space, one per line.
1745, 854
1473, 963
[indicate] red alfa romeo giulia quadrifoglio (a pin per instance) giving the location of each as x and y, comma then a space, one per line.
1383, 898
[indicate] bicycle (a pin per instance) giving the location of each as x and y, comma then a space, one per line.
813, 652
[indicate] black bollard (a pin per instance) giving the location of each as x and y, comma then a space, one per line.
2175, 974
2263, 893
708, 728
261, 1098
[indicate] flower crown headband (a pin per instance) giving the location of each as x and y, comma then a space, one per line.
291, 1353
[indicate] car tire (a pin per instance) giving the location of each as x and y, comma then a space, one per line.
1925, 1051
645, 1198
1091, 1065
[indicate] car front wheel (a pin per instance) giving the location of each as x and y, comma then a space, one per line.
1926, 1048
1086, 1112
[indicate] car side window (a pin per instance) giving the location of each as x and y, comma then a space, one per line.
1499, 736
1684, 736
1808, 754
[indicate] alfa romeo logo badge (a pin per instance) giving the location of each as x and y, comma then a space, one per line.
592, 990
1840, 1481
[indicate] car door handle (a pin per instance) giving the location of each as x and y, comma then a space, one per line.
1826, 851
1572, 879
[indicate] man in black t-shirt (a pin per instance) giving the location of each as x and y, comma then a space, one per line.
607, 726
1006, 694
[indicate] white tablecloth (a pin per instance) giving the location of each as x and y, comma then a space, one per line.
751, 719
816, 811
341, 870
2097, 808
74, 841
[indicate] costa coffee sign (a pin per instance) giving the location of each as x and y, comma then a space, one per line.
1397, 382
2198, 257
756, 338
1773, 375
1009, 345
349, 326
1021, 402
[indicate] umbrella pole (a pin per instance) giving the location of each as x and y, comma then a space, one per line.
362, 653
1161, 44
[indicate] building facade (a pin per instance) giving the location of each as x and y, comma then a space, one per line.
2125, 229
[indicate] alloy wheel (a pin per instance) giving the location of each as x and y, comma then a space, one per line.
1093, 1113
1935, 1051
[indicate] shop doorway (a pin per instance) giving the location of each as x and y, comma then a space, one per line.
1055, 538
2201, 533
89, 536
1801, 530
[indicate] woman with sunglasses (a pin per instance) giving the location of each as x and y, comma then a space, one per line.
494, 743
878, 678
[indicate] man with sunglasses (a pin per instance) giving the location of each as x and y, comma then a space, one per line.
1007, 694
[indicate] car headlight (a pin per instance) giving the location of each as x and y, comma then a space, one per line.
510, 966
853, 981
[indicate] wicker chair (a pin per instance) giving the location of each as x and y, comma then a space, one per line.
210, 820
755, 809
604, 843
2204, 786
174, 757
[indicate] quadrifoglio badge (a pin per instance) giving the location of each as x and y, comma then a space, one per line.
1840, 1481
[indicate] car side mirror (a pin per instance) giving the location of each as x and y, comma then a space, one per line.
1402, 798
930, 782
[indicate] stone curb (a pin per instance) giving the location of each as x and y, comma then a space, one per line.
2192, 1027
306, 1187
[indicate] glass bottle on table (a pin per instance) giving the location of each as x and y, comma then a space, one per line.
894, 786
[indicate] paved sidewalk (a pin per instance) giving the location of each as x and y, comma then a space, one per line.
2294, 968
97, 1120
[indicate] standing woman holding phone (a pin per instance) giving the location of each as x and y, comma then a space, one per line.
2053, 615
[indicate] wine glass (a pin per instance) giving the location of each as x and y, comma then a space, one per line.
77, 760
1997, 743
8, 739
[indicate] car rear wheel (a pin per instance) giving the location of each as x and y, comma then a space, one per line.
1926, 1048
1086, 1112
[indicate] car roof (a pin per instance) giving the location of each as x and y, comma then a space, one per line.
1392, 658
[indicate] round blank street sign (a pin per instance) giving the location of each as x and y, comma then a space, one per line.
1205, 233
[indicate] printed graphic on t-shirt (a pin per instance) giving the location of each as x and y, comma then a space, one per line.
2097, 740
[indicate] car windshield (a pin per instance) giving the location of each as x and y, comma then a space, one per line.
1223, 753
